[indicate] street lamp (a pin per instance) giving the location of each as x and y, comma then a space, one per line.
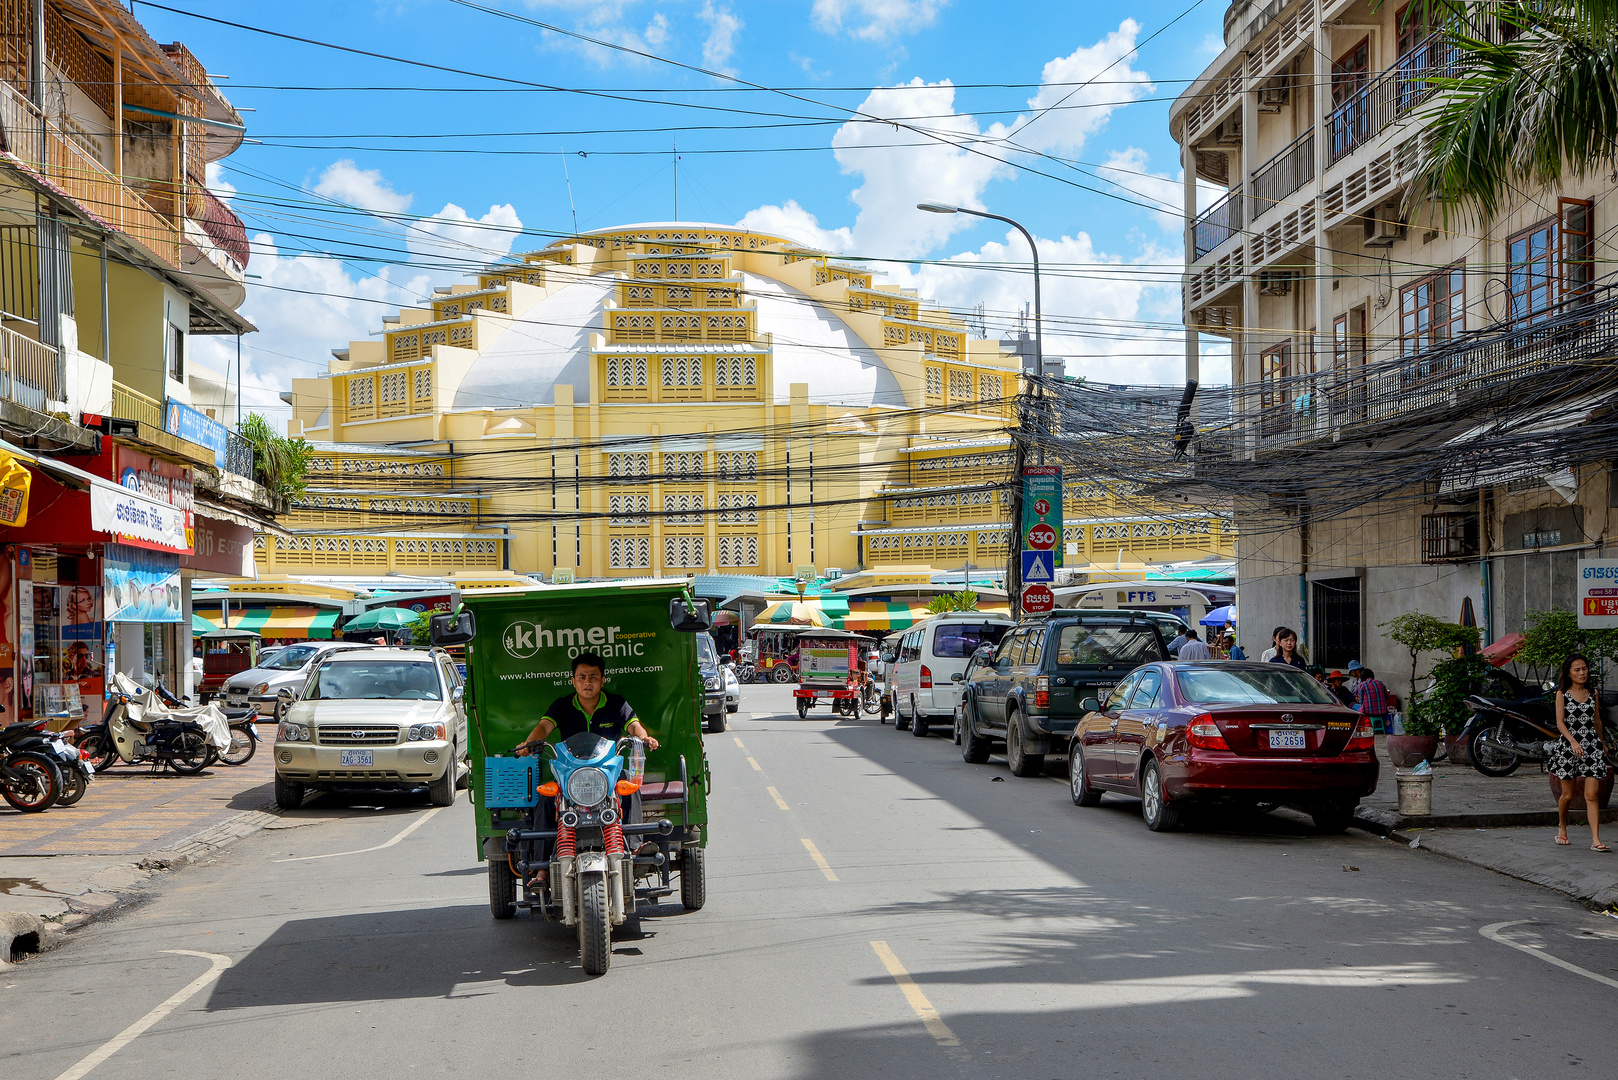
1013, 565
1039, 338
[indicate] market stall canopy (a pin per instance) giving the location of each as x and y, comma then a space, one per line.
282, 622
794, 612
1219, 616
200, 626
382, 618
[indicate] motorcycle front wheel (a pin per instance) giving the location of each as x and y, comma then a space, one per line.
34, 783
595, 924
1488, 756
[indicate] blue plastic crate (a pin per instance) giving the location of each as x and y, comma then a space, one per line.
509, 782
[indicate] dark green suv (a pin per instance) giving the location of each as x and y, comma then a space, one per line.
1028, 695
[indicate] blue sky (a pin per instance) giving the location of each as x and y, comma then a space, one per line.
372, 181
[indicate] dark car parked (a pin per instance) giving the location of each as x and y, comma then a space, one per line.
1179, 734
1029, 695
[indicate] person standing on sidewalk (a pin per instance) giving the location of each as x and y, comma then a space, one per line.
1286, 648
1193, 649
1581, 752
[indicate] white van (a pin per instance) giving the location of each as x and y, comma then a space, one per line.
920, 687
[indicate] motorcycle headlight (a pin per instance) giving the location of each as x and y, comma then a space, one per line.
587, 787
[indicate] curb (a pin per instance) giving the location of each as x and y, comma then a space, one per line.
190, 849
1384, 822
1600, 901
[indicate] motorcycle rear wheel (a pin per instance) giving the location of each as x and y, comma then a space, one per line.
35, 786
1488, 756
102, 755
242, 747
190, 753
595, 924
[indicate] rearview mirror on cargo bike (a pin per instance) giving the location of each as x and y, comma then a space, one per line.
453, 629
690, 616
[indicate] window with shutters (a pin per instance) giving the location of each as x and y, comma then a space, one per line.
1275, 368
1550, 264
1432, 310
935, 382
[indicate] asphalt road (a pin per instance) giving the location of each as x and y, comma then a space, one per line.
876, 908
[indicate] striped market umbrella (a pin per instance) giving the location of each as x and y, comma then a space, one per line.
792, 612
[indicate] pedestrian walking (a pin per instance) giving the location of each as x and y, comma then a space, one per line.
1371, 698
1581, 752
1286, 648
1194, 649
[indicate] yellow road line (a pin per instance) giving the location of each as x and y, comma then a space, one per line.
820, 860
755, 764
776, 795
738, 742
918, 1001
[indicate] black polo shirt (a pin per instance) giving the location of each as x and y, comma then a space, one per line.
612, 715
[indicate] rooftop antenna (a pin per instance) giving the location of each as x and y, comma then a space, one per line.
676, 179
569, 181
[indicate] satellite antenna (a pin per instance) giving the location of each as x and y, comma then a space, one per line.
569, 181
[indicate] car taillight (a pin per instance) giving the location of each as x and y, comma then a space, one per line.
1204, 734
926, 677
1364, 737
1042, 692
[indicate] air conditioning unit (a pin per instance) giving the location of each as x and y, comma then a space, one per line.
1275, 283
1230, 132
1271, 98
1383, 226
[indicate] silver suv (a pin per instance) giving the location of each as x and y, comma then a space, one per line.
271, 686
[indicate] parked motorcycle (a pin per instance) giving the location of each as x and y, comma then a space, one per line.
243, 728
1502, 735
30, 778
138, 728
871, 697
77, 772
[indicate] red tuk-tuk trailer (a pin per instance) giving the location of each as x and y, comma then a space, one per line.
225, 653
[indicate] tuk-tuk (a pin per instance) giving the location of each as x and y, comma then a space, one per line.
556, 841
774, 648
829, 670
225, 653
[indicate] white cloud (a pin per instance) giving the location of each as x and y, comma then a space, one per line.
1130, 171
1069, 108
795, 223
875, 20
364, 188
608, 20
453, 243
214, 179
723, 26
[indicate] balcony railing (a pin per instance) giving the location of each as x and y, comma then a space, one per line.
1283, 175
28, 371
238, 455
128, 404
1218, 223
42, 148
1368, 110
224, 228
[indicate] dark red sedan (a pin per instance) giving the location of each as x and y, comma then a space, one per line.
1178, 735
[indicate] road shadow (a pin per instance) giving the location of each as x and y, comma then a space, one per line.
438, 952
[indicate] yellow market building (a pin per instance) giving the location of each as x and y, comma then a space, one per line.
678, 398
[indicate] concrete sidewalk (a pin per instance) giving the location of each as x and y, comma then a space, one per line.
1505, 824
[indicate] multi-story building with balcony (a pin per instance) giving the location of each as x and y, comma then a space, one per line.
1368, 328
653, 399
113, 256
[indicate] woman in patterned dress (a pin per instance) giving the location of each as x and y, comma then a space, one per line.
1580, 754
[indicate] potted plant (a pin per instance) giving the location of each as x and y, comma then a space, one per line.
1442, 707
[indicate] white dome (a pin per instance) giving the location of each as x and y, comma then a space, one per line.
550, 344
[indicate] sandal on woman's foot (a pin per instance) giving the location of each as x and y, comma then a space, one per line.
1564, 841
1600, 847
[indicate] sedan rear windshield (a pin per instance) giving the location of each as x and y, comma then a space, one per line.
964, 639
1251, 686
1083, 646
385, 680
290, 658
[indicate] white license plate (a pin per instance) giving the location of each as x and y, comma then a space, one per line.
1287, 740
356, 759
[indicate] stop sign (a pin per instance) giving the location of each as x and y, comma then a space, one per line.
1037, 599
1042, 507
1042, 537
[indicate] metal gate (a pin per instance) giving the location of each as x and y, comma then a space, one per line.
1334, 628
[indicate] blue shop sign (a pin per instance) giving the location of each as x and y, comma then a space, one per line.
193, 426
